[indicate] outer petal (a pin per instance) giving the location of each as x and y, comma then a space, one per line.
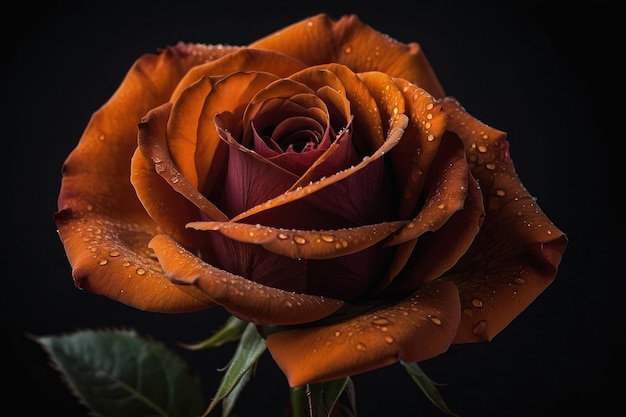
349, 41
245, 299
244, 59
99, 213
415, 329
516, 254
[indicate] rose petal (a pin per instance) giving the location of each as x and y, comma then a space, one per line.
350, 42
331, 90
242, 60
152, 140
110, 257
448, 177
427, 125
415, 329
447, 244
389, 99
245, 299
395, 135
228, 98
446, 189
94, 222
516, 254
305, 244
368, 127
251, 179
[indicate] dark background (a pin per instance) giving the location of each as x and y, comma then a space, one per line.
544, 72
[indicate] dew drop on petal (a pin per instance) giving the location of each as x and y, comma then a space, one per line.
480, 327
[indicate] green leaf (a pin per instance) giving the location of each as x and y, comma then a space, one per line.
229, 401
119, 374
232, 330
318, 400
427, 386
249, 350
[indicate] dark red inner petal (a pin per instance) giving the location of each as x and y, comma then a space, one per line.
295, 144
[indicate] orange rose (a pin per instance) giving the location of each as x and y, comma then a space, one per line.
317, 183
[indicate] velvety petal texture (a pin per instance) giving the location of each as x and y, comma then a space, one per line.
317, 183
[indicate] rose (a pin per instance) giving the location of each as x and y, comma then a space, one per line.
317, 183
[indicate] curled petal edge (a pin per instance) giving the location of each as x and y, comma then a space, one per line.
305, 244
245, 299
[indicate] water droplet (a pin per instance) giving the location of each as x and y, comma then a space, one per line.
477, 302
430, 137
126, 263
380, 321
140, 271
114, 253
282, 236
347, 49
360, 346
500, 192
430, 106
337, 333
101, 136
519, 280
299, 240
480, 327
288, 304
482, 148
328, 238
103, 262
388, 339
435, 320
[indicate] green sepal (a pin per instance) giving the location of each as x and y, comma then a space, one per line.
117, 373
250, 348
427, 386
232, 330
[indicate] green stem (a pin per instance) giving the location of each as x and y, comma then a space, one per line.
299, 402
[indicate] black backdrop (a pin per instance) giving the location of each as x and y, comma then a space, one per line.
544, 72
